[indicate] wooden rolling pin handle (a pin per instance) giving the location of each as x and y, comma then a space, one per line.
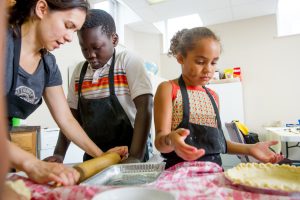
95, 165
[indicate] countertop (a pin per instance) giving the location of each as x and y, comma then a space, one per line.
17, 129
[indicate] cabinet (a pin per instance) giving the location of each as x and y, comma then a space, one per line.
47, 139
25, 137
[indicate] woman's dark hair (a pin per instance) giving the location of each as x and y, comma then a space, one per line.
186, 39
24, 9
102, 19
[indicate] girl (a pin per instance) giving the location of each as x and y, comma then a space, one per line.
186, 115
37, 27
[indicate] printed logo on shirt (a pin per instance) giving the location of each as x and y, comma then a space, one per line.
26, 94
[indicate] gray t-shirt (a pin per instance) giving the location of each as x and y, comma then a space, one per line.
30, 87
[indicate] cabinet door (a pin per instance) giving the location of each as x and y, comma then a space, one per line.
25, 140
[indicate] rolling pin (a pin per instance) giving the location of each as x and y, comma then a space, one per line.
95, 165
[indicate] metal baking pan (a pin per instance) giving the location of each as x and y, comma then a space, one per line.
127, 174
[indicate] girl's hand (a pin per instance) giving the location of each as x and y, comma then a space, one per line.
183, 150
121, 150
261, 151
46, 172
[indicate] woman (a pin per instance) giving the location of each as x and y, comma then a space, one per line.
4, 161
37, 27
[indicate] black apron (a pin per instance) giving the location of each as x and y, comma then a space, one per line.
104, 120
16, 106
210, 139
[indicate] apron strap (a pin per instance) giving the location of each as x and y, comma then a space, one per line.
215, 107
111, 76
81, 77
185, 102
16, 60
82, 73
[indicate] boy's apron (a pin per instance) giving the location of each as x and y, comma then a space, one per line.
210, 139
16, 106
104, 119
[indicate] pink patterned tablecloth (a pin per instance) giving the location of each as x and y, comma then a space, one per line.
187, 181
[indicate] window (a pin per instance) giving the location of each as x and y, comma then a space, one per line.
108, 6
288, 17
169, 27
121, 13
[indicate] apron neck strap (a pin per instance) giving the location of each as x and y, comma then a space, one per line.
186, 104
111, 76
16, 60
81, 77
215, 107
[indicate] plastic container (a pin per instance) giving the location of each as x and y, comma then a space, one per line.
16, 121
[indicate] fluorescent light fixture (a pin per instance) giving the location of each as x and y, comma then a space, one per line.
151, 2
288, 17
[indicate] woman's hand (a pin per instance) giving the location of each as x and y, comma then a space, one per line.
261, 151
183, 150
46, 172
121, 150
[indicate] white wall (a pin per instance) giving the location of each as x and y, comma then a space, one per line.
270, 67
148, 46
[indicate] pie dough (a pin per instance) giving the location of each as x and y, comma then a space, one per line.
266, 176
19, 187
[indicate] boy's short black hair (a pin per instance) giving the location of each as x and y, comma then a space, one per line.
102, 19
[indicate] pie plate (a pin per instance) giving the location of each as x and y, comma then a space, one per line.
266, 178
134, 193
127, 174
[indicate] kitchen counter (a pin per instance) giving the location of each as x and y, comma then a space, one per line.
20, 129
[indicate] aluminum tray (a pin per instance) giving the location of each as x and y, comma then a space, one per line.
127, 174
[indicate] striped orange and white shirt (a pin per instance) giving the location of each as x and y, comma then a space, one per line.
130, 78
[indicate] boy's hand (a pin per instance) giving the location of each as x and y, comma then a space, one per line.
183, 150
54, 158
121, 150
131, 159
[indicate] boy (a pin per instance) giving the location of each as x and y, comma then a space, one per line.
110, 93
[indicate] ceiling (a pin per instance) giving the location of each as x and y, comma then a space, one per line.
211, 11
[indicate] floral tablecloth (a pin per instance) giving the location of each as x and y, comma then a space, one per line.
186, 181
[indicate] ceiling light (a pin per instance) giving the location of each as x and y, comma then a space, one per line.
152, 2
